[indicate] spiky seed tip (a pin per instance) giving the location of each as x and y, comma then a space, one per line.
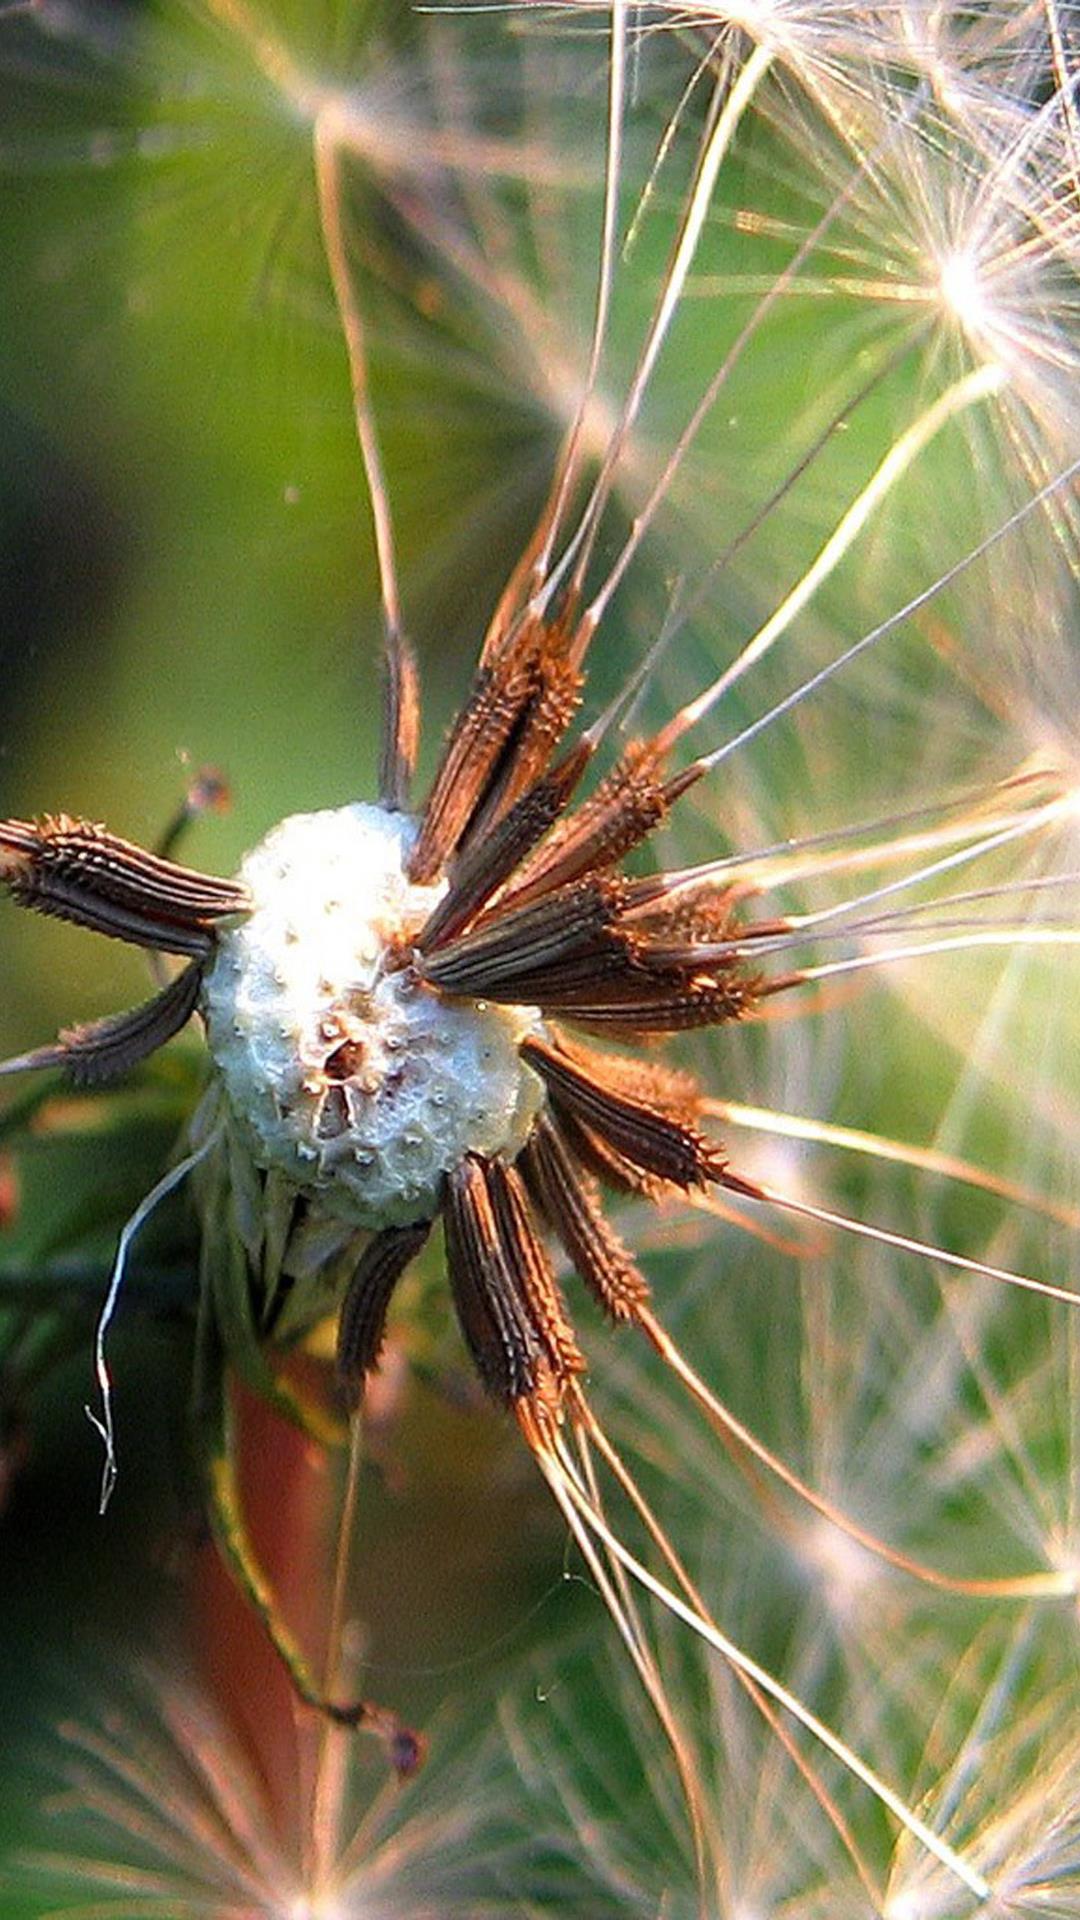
17, 844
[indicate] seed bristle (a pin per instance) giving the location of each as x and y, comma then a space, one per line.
79, 871
653, 1141
568, 1198
105, 1050
362, 1319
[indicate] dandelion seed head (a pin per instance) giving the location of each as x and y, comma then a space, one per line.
780, 1164
1062, 1552
753, 16
165, 1807
1001, 1774
962, 290
824, 44
317, 1907
905, 1907
347, 1075
848, 1574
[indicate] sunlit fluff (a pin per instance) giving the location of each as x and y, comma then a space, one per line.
1003, 1773
969, 221
162, 1810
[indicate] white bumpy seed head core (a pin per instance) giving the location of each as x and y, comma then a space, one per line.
358, 1083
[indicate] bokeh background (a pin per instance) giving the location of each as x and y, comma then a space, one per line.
186, 579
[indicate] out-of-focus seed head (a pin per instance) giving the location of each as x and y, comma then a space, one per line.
349, 1077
